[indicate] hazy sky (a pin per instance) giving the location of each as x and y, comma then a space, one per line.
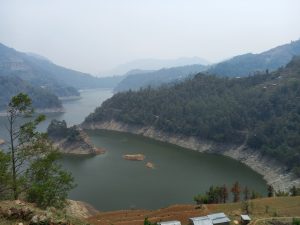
96, 35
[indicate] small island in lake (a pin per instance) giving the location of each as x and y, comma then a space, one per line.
72, 140
150, 165
134, 157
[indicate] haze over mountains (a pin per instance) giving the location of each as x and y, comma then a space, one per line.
155, 64
158, 77
38, 76
243, 65
248, 64
36, 72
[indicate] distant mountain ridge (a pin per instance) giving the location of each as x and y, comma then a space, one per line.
156, 64
249, 64
39, 77
40, 71
137, 80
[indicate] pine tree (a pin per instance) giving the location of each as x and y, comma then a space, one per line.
246, 193
236, 191
224, 193
270, 191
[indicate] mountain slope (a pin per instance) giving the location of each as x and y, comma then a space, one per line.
262, 111
136, 80
41, 98
39, 71
248, 64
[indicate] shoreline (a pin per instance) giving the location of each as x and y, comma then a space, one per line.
273, 172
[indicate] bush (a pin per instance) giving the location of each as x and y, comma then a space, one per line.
296, 221
4, 174
49, 184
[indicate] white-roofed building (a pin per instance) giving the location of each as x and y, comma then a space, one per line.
219, 218
212, 219
203, 220
174, 222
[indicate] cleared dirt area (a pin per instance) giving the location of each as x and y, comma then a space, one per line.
259, 208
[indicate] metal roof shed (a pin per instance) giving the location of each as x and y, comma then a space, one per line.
204, 220
174, 222
245, 219
219, 218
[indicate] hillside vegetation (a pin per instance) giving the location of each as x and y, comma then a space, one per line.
156, 78
41, 98
261, 110
246, 64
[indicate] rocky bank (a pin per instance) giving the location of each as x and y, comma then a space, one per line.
82, 145
21, 212
272, 171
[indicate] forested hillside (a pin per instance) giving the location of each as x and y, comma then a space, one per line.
263, 110
249, 64
137, 80
41, 98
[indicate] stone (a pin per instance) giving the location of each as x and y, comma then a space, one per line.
150, 165
34, 219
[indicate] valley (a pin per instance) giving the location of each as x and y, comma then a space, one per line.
149, 112
100, 178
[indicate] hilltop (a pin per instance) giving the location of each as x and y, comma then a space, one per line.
249, 64
238, 66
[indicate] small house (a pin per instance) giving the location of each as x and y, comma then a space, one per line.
174, 222
245, 219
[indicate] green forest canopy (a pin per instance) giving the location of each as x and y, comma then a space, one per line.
263, 109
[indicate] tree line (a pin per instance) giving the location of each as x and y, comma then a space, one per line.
221, 194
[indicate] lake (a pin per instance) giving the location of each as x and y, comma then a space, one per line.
109, 182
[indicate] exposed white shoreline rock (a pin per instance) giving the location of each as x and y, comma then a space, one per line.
272, 171
84, 146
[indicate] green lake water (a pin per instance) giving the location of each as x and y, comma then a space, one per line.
109, 182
